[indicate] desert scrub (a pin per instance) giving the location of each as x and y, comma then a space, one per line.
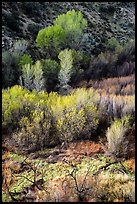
12, 106
34, 129
71, 124
17, 102
115, 134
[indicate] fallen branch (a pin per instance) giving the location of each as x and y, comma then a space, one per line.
123, 169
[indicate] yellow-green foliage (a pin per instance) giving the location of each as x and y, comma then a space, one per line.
115, 136
34, 131
75, 114
38, 114
12, 105
17, 102
71, 124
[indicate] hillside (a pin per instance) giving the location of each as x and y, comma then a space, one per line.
105, 20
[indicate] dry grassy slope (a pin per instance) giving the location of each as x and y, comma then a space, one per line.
105, 19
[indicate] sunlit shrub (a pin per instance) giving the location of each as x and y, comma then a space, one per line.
12, 106
16, 103
71, 124
117, 144
76, 114
34, 132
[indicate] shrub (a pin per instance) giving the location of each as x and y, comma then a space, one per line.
13, 107
8, 72
113, 44
76, 116
25, 59
20, 46
50, 72
10, 62
71, 124
16, 103
34, 130
40, 121
117, 144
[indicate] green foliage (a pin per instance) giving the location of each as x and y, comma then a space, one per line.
66, 62
34, 133
76, 115
20, 46
51, 38
113, 44
27, 76
74, 24
50, 72
13, 107
67, 31
35, 115
25, 59
71, 124
38, 80
8, 74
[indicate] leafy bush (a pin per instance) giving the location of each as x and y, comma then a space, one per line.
76, 115
16, 103
113, 44
115, 134
13, 107
34, 132
25, 59
50, 72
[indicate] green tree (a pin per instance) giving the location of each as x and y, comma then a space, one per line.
67, 32
66, 62
51, 38
74, 24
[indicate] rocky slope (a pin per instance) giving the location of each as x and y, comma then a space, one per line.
105, 20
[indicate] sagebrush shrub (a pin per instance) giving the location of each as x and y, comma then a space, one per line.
115, 134
34, 129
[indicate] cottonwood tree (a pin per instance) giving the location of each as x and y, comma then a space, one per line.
67, 32
66, 62
32, 76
